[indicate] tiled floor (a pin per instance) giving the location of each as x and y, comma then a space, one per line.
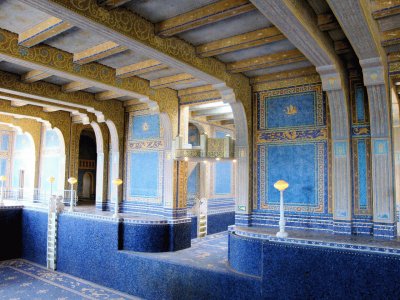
20, 280
209, 253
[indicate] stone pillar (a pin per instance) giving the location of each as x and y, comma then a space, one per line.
184, 123
382, 168
243, 201
396, 146
337, 94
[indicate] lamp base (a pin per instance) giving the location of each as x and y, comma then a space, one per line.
282, 234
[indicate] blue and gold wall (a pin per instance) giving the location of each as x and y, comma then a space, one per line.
144, 164
361, 156
291, 143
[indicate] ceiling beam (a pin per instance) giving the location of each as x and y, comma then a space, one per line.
382, 9
90, 15
42, 32
140, 68
98, 52
74, 86
16, 103
390, 37
60, 64
196, 90
242, 41
203, 16
283, 75
297, 23
49, 109
342, 46
107, 95
171, 80
327, 22
112, 3
34, 75
265, 61
221, 117
227, 122
394, 57
212, 111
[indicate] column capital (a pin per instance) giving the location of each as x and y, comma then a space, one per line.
331, 78
373, 71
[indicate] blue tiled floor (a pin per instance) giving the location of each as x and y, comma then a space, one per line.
20, 279
209, 253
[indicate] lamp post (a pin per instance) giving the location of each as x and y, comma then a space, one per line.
117, 182
2, 179
72, 181
281, 185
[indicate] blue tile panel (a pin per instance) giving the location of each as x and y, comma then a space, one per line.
360, 108
290, 110
362, 174
10, 233
193, 186
88, 249
34, 235
223, 178
297, 165
145, 127
144, 172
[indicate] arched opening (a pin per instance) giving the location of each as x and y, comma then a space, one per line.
87, 185
23, 163
212, 186
87, 167
52, 162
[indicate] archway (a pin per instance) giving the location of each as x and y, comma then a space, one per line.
87, 167
87, 185
23, 162
52, 162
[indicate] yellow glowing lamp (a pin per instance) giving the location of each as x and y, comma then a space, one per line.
117, 181
51, 179
281, 185
3, 178
72, 180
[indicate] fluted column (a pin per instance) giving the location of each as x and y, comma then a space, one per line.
382, 164
341, 154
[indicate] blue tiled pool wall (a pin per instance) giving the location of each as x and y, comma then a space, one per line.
10, 233
88, 248
215, 223
23, 233
34, 235
154, 238
293, 271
